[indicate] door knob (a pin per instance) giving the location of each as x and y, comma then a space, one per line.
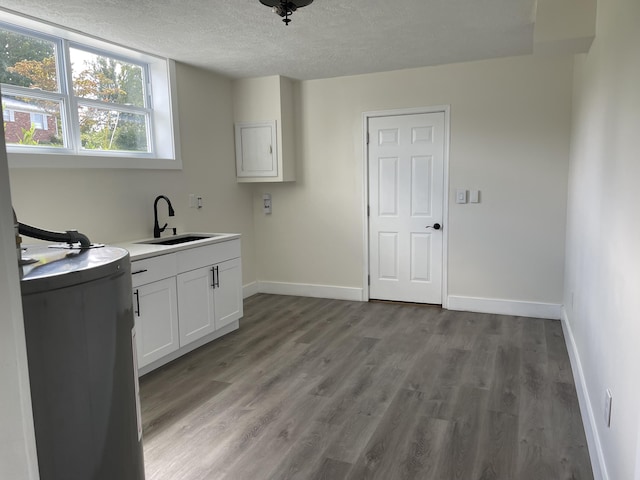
435, 226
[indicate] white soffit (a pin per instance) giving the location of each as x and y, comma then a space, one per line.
329, 38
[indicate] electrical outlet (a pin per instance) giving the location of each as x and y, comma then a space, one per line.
607, 407
573, 298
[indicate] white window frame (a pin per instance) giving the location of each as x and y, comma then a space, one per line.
9, 113
43, 124
162, 106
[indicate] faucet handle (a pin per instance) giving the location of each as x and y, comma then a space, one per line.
174, 230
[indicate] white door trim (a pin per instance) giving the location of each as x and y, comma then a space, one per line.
365, 191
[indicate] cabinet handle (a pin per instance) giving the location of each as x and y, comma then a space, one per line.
137, 294
138, 271
217, 277
213, 275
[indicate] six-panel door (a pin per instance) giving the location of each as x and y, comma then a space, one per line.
406, 197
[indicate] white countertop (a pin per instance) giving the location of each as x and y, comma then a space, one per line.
139, 251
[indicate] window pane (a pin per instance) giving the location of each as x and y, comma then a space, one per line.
33, 122
98, 77
102, 129
27, 61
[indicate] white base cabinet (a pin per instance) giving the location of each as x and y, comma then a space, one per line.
210, 298
156, 317
228, 292
196, 309
180, 304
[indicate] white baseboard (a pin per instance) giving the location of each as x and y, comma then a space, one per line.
250, 289
586, 406
310, 290
505, 307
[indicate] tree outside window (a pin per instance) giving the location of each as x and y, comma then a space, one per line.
106, 95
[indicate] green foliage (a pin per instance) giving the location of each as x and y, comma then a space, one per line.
55, 141
41, 73
131, 137
28, 136
131, 85
14, 48
109, 80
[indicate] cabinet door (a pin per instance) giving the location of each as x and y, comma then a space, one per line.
256, 152
195, 308
228, 292
156, 317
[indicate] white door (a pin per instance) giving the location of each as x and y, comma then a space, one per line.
406, 197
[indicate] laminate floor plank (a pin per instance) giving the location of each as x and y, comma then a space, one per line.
505, 386
304, 458
497, 447
314, 389
558, 358
380, 458
331, 470
457, 461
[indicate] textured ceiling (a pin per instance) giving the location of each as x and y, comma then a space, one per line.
329, 38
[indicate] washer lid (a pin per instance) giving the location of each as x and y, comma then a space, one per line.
58, 268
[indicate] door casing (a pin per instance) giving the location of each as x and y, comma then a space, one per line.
365, 189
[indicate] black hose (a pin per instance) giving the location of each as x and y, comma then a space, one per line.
70, 236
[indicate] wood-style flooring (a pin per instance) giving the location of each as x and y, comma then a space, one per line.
313, 389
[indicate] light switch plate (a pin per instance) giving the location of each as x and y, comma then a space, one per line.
474, 196
461, 196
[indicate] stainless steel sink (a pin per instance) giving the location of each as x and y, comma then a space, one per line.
178, 239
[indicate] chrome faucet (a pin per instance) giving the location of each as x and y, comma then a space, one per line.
156, 227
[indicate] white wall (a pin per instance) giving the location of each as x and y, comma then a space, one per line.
510, 129
603, 238
117, 205
17, 440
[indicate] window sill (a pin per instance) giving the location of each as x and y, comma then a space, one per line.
46, 160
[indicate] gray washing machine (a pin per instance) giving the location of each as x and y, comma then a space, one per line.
79, 330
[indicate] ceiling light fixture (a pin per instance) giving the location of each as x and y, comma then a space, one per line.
285, 8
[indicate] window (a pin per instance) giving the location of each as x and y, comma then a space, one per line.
70, 100
38, 121
8, 115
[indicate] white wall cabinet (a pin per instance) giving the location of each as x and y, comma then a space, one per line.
256, 150
185, 299
265, 129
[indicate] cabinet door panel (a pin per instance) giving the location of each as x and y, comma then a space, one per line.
228, 292
256, 150
156, 317
196, 311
